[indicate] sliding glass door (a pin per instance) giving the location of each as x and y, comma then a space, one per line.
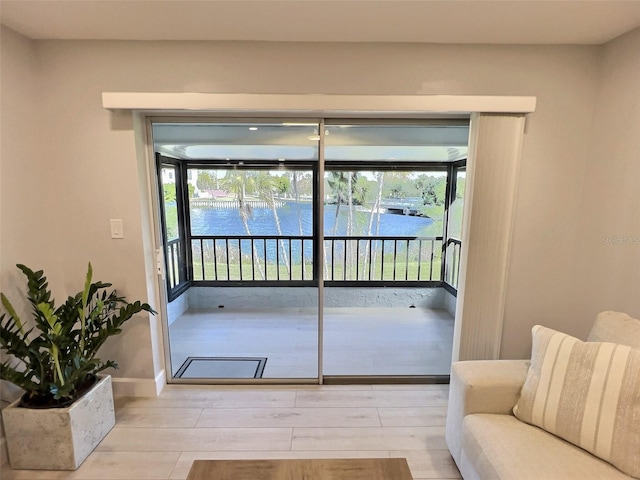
251, 310
386, 205
307, 250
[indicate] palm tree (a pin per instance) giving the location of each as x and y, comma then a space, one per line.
239, 182
266, 189
375, 211
348, 188
296, 176
339, 184
351, 251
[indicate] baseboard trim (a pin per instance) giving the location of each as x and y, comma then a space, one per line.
139, 387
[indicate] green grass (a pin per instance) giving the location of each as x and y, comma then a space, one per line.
381, 271
232, 271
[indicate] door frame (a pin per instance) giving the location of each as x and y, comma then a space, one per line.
144, 105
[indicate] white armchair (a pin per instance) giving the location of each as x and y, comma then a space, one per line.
488, 442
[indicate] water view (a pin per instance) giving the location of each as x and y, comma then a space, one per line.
395, 218
297, 219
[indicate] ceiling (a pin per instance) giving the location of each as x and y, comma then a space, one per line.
239, 141
433, 21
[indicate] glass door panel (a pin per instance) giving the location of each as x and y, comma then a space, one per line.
385, 194
252, 303
241, 214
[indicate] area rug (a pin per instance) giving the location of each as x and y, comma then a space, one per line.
222, 367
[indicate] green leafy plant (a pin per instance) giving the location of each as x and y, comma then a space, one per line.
55, 360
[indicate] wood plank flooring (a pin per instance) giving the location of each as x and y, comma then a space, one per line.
159, 438
357, 341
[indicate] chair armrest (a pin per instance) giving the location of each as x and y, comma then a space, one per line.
483, 386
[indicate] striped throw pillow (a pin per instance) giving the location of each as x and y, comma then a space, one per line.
587, 393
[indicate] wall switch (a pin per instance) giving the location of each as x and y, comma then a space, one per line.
116, 228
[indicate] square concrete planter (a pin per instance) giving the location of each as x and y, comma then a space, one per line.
59, 438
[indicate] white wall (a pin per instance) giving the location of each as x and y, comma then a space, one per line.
24, 191
90, 160
600, 244
18, 120
608, 257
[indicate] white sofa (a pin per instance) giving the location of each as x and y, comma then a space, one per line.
488, 442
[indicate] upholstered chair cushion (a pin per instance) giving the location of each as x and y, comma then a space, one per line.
587, 393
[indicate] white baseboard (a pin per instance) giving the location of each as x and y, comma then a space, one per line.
139, 387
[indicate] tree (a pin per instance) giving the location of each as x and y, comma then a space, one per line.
238, 182
375, 210
339, 184
206, 181
360, 189
461, 183
282, 184
399, 185
432, 189
169, 192
266, 188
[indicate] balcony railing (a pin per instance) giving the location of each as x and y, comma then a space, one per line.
382, 259
174, 261
346, 259
255, 258
289, 260
452, 271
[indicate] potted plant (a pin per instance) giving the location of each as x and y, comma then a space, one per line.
67, 407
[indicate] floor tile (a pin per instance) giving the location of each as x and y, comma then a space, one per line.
157, 417
370, 438
413, 417
391, 341
108, 466
339, 398
429, 464
375, 398
195, 439
289, 417
158, 438
442, 388
211, 398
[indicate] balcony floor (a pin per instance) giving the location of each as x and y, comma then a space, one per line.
357, 341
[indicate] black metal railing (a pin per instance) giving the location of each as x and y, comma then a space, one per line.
452, 270
291, 258
255, 258
382, 259
174, 262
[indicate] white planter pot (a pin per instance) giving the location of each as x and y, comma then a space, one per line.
59, 438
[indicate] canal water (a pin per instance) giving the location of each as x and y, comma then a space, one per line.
297, 219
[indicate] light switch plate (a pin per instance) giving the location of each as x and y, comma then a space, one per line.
117, 230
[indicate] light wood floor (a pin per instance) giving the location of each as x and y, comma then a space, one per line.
357, 341
159, 438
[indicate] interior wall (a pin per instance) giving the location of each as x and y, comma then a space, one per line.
18, 118
602, 258
23, 227
18, 152
609, 237
90, 160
